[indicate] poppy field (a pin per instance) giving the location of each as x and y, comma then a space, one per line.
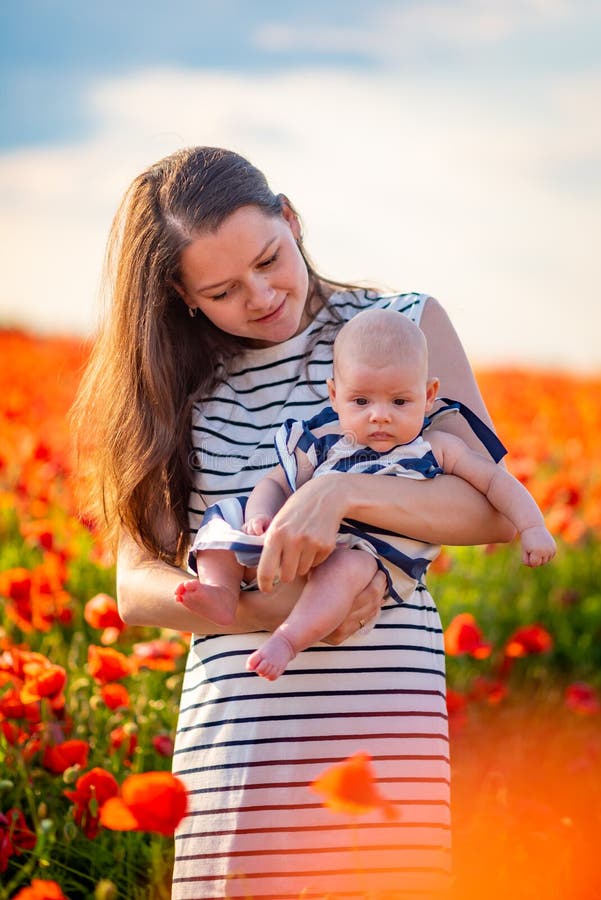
88, 706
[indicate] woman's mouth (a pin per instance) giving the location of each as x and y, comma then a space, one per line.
270, 317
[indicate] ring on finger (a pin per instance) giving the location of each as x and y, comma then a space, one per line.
361, 623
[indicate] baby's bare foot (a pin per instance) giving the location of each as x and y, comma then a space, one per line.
272, 657
211, 601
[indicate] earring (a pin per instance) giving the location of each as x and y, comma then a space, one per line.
192, 310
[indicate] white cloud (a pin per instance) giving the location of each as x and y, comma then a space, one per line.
417, 23
413, 186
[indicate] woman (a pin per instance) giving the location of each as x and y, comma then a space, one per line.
219, 330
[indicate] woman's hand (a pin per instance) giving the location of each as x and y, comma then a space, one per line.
303, 533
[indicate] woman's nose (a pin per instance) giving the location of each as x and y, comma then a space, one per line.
260, 294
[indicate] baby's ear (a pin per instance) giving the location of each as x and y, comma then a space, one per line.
432, 386
332, 392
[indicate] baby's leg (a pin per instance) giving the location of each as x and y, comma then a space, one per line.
323, 604
215, 594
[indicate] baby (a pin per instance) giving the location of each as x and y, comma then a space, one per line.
380, 394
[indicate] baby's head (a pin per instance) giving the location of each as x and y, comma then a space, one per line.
380, 389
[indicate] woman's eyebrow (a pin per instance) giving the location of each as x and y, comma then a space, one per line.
211, 287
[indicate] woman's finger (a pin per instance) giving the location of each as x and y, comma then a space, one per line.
269, 568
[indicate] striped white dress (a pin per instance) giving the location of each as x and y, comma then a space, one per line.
247, 749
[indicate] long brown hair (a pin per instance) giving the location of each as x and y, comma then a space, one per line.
150, 360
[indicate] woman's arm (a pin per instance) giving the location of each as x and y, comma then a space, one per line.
146, 596
448, 362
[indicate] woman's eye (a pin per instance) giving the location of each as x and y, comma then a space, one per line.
220, 296
267, 262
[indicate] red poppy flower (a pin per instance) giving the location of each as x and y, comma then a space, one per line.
159, 654
42, 680
527, 640
41, 890
349, 786
102, 612
39, 532
12, 733
115, 695
15, 836
59, 757
163, 744
121, 738
488, 689
92, 790
582, 698
16, 584
106, 664
154, 801
456, 702
456, 709
464, 636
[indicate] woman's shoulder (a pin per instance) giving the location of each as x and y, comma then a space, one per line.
348, 303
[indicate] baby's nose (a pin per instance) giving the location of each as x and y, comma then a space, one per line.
380, 412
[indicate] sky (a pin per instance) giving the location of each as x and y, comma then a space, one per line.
451, 148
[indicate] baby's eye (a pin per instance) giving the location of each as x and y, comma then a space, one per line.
361, 401
399, 401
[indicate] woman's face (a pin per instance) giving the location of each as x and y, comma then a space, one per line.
249, 277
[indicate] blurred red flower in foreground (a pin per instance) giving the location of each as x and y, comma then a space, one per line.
464, 636
37, 599
106, 664
163, 744
582, 698
115, 695
41, 890
528, 639
159, 654
15, 836
349, 786
60, 757
493, 690
43, 679
121, 738
456, 702
102, 612
153, 801
91, 791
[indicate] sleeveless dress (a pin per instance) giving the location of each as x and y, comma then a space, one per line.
247, 749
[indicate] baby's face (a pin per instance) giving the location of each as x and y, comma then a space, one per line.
381, 407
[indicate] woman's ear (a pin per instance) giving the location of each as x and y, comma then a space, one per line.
332, 393
432, 386
291, 216
183, 294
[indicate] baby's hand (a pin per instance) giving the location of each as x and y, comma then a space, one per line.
538, 546
257, 525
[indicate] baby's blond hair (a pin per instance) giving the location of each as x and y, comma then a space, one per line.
381, 337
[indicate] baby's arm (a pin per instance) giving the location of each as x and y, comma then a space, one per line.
502, 490
266, 498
